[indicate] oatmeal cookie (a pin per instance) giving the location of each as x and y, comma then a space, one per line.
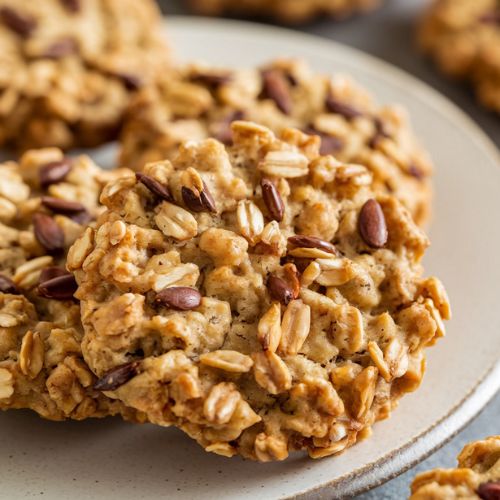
46, 201
477, 475
463, 38
202, 102
284, 11
260, 296
69, 67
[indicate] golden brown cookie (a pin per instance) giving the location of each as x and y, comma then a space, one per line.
69, 67
46, 201
203, 101
476, 477
260, 296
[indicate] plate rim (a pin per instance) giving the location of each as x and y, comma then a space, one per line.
486, 387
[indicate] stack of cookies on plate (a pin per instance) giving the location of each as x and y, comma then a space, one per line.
250, 274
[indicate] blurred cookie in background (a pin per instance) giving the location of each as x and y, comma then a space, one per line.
284, 11
476, 477
463, 39
68, 68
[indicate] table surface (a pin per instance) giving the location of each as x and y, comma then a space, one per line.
388, 34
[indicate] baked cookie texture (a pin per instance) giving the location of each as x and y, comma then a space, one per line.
69, 67
46, 200
476, 477
201, 102
285, 11
463, 38
260, 296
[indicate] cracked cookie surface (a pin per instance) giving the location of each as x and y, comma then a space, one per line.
260, 296
46, 201
202, 102
477, 475
463, 38
285, 11
69, 67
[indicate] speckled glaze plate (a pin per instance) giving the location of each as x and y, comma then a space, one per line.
112, 460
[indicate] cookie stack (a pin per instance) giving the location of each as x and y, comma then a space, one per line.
252, 275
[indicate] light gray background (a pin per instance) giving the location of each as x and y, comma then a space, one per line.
388, 34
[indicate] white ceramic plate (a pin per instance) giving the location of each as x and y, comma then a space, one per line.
113, 460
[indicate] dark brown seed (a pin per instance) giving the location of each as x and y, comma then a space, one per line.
300, 263
212, 79
414, 171
21, 24
51, 272
154, 186
61, 48
380, 132
7, 285
131, 82
59, 288
116, 377
279, 289
71, 5
61, 206
300, 241
275, 87
372, 225
329, 143
492, 17
341, 108
82, 218
54, 172
199, 202
222, 129
182, 298
272, 199
48, 233
489, 490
